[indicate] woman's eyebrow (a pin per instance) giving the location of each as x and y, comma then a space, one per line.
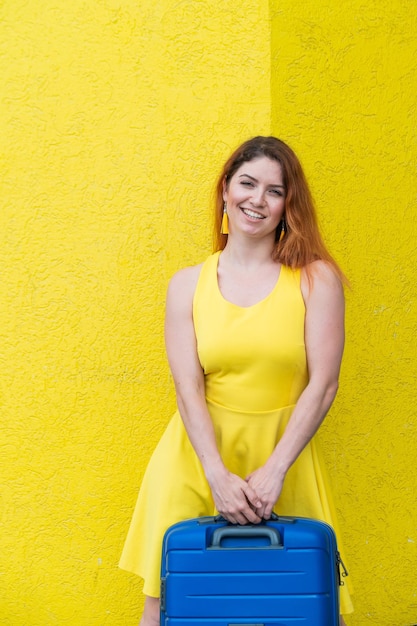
256, 180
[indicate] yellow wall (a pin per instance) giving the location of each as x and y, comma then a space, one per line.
344, 79
115, 117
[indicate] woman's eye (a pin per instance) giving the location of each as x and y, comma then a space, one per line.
277, 192
246, 183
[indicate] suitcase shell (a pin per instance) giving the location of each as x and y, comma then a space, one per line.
282, 572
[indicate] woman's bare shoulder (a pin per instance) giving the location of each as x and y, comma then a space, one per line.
186, 277
183, 283
320, 277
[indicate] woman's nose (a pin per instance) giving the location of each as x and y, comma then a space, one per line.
258, 198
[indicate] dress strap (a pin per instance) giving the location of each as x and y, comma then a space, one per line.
207, 281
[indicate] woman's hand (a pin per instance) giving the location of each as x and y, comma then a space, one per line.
235, 499
267, 484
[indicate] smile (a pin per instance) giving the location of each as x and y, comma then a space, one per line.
253, 214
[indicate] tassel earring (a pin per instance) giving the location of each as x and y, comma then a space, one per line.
225, 221
282, 230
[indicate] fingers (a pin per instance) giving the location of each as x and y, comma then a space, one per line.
238, 501
241, 514
242, 519
264, 511
252, 497
248, 515
252, 517
267, 491
260, 507
241, 510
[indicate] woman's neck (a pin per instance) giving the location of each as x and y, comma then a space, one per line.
248, 253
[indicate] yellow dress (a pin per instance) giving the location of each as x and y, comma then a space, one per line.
255, 368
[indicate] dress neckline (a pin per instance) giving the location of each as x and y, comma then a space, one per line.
238, 306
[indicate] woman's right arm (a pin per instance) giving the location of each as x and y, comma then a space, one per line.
233, 497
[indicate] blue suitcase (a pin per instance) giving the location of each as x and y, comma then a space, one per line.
282, 572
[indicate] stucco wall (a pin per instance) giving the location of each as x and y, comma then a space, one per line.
115, 118
344, 79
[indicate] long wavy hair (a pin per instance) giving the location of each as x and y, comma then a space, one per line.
302, 243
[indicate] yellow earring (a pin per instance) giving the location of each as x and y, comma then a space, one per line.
225, 221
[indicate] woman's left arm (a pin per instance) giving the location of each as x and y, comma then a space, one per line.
324, 341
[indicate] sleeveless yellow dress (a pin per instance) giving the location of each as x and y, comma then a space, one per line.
255, 368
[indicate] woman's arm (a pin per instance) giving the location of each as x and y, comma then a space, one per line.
324, 340
234, 497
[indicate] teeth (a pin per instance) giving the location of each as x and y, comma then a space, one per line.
250, 213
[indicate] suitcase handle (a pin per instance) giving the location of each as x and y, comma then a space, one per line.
248, 532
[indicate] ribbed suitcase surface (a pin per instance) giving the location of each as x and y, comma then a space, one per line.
283, 572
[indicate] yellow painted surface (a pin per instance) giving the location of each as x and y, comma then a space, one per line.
115, 117
344, 79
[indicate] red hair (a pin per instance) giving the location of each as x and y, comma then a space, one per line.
302, 243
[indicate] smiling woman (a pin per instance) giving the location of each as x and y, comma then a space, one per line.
254, 338
302, 243
255, 195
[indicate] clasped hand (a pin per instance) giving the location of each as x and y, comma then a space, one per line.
246, 501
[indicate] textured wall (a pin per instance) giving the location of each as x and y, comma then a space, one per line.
344, 94
115, 117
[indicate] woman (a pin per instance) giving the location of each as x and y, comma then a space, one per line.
254, 339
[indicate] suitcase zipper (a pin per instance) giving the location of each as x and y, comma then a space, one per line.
341, 565
163, 594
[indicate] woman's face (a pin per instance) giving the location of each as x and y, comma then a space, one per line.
255, 197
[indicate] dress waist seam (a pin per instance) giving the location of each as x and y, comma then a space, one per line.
241, 410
